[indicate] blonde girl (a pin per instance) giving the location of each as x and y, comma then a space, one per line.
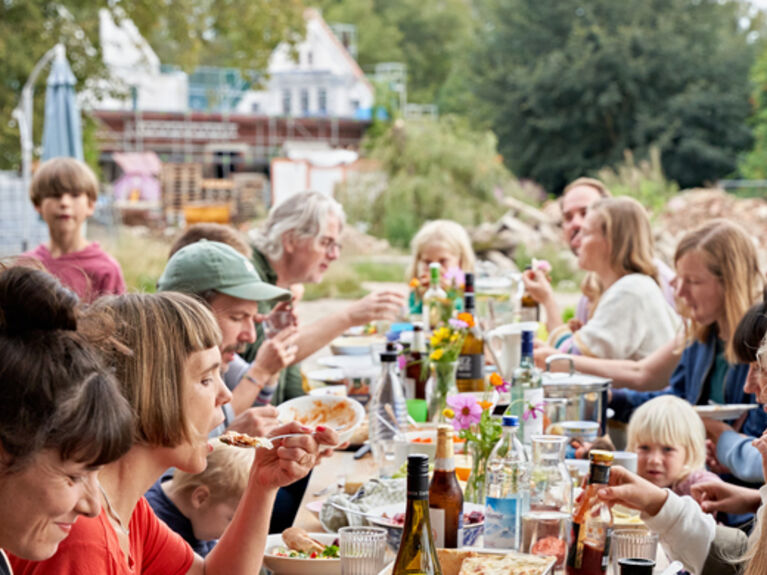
445, 242
670, 442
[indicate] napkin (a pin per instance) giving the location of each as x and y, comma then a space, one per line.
374, 493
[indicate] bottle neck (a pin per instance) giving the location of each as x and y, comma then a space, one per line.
434, 278
599, 474
444, 459
418, 488
418, 343
468, 303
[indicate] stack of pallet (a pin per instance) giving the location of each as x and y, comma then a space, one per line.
181, 186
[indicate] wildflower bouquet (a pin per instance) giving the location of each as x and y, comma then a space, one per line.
446, 343
472, 419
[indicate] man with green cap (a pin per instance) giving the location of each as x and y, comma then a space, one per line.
231, 287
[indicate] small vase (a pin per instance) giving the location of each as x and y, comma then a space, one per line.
440, 386
475, 484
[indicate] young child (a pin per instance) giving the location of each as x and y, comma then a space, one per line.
200, 507
444, 242
64, 191
670, 442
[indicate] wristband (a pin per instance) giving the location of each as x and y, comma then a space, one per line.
252, 379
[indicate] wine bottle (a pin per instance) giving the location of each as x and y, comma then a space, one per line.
417, 554
527, 393
433, 300
445, 495
416, 374
470, 375
592, 522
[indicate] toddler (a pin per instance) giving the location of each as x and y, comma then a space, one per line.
64, 192
670, 442
444, 242
199, 507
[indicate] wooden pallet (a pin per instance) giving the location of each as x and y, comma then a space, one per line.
181, 185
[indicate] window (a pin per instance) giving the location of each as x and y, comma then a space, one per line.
304, 102
355, 104
255, 107
322, 101
286, 102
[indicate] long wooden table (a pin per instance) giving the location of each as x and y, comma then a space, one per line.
326, 473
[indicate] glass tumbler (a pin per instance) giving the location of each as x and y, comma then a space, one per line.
628, 543
362, 550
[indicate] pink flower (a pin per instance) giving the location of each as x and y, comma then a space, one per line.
531, 409
467, 411
455, 277
542, 265
457, 323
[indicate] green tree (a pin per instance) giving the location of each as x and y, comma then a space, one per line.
754, 164
435, 169
427, 35
569, 85
239, 33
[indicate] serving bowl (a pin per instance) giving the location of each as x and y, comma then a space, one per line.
294, 566
381, 516
340, 413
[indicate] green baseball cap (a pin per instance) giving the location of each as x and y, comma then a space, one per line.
205, 265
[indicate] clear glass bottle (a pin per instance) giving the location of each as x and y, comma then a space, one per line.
527, 392
433, 299
546, 521
417, 554
506, 477
592, 522
387, 415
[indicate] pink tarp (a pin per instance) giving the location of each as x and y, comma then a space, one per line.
138, 183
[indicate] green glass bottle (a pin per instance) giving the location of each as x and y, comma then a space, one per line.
417, 554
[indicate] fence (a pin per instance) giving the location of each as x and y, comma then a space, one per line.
21, 228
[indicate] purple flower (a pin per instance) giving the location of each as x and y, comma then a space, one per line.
455, 276
457, 323
467, 411
531, 409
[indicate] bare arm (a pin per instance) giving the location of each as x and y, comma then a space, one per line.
241, 548
649, 374
384, 305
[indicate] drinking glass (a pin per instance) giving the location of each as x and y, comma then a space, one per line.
633, 544
362, 550
276, 321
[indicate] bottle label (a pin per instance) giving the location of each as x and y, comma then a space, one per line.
584, 552
532, 414
437, 518
502, 522
470, 366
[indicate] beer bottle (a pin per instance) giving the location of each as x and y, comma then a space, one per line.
445, 495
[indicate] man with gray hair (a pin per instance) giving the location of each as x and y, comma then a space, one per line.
299, 241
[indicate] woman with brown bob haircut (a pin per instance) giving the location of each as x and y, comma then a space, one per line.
61, 415
171, 377
632, 318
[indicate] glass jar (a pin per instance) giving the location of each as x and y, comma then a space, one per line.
441, 384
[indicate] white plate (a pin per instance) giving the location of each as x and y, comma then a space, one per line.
291, 566
347, 362
356, 345
328, 410
724, 412
315, 506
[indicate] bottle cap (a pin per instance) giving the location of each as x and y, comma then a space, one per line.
417, 464
636, 566
527, 336
444, 429
599, 456
510, 421
388, 356
417, 326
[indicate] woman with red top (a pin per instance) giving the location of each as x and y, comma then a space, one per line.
166, 358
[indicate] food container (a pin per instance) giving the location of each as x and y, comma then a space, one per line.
580, 430
586, 395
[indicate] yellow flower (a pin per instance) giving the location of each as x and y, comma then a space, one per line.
496, 380
414, 283
485, 405
448, 413
454, 337
442, 333
437, 354
435, 341
467, 318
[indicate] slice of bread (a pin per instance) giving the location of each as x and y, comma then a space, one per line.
451, 559
511, 564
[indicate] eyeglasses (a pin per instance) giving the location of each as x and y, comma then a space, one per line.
330, 245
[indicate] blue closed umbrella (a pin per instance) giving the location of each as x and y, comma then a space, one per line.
62, 134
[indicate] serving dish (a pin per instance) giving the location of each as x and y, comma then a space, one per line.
293, 566
340, 413
724, 412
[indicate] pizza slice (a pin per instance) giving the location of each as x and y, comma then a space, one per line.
244, 440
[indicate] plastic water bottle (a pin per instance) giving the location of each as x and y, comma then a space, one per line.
387, 414
506, 493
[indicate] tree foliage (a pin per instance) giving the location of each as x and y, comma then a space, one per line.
435, 169
239, 33
569, 85
427, 35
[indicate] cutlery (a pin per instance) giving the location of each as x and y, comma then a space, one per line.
362, 451
673, 569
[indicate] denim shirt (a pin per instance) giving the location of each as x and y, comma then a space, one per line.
687, 382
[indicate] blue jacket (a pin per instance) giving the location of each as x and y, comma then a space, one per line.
687, 381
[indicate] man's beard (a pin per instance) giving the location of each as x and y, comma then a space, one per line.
237, 348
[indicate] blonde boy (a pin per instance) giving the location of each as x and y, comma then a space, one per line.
64, 192
200, 506
670, 442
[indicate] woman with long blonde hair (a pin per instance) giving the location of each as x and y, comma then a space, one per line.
632, 318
